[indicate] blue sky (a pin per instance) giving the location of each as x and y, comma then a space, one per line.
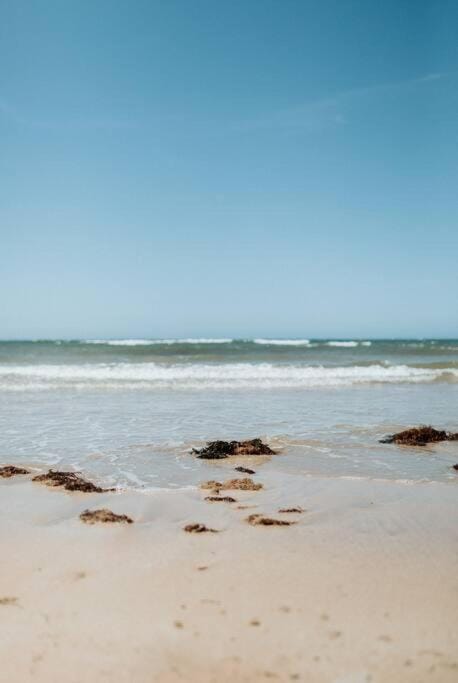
228, 168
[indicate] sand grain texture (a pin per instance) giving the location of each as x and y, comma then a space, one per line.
361, 592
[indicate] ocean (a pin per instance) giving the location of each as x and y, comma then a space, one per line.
127, 412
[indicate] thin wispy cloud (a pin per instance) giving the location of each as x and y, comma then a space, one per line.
309, 116
328, 111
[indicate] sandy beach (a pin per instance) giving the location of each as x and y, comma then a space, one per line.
363, 588
229, 341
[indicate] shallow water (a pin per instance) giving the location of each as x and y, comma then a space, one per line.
128, 413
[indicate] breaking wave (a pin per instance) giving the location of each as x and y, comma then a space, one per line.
283, 342
211, 376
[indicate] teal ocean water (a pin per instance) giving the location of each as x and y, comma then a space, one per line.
128, 411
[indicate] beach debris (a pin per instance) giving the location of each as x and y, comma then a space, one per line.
297, 509
78, 576
212, 484
199, 529
255, 622
178, 624
245, 470
105, 516
215, 450
260, 520
245, 484
385, 638
419, 436
8, 601
220, 499
71, 481
8, 471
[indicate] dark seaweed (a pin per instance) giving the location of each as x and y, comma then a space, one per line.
199, 529
260, 520
419, 436
71, 481
8, 471
215, 450
245, 470
105, 516
220, 499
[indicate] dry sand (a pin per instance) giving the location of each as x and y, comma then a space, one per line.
364, 588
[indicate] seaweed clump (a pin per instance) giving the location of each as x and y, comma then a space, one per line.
455, 467
8, 601
238, 484
199, 529
215, 450
291, 510
245, 470
70, 481
220, 499
105, 516
420, 436
11, 471
260, 520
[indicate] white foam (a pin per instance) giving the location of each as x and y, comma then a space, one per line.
344, 344
119, 342
283, 342
212, 376
152, 342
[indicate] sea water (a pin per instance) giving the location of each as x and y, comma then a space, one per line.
128, 411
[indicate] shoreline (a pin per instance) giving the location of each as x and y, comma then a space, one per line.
363, 588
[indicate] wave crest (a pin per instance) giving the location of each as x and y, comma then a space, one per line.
212, 376
282, 342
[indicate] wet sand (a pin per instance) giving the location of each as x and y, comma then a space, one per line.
363, 588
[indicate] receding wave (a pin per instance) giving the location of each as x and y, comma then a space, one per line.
212, 376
